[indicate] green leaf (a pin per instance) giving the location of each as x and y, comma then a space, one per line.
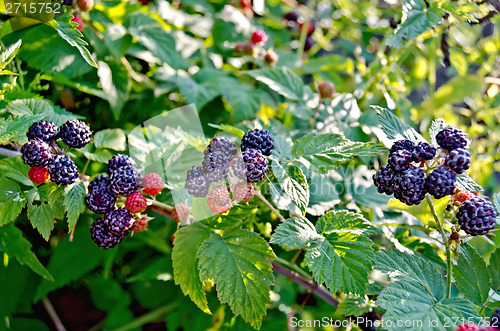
494, 269
160, 269
469, 275
293, 182
345, 220
418, 17
9, 54
394, 128
326, 151
229, 128
14, 245
42, 219
239, 262
466, 183
12, 200
111, 138
496, 202
74, 202
185, 263
282, 148
352, 306
71, 261
117, 40
43, 109
116, 83
422, 211
68, 31
281, 80
13, 127
436, 126
411, 269
14, 167
296, 232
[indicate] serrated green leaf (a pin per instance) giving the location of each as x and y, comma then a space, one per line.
117, 40
422, 211
496, 202
293, 182
9, 54
411, 268
12, 201
345, 220
185, 262
116, 83
39, 109
296, 232
229, 128
418, 17
341, 260
281, 80
326, 151
71, 261
42, 219
436, 126
469, 275
15, 245
239, 262
282, 148
494, 269
74, 202
14, 126
394, 128
352, 306
111, 138
14, 167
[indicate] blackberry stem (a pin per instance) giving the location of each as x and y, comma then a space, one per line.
161, 205
445, 242
259, 195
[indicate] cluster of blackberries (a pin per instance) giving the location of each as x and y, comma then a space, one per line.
123, 178
222, 160
45, 158
258, 38
296, 23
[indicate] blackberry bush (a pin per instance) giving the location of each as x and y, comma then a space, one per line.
63, 170
75, 133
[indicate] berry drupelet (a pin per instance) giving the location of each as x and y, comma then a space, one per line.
75, 133
152, 184
215, 166
136, 203
441, 182
99, 180
243, 192
63, 170
43, 130
258, 139
100, 200
220, 195
36, 153
409, 186
39, 175
451, 138
476, 216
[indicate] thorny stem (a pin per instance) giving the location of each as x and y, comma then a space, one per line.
445, 242
161, 205
8, 153
259, 195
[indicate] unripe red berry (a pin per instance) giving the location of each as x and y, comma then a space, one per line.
215, 208
460, 197
326, 89
467, 327
249, 49
140, 224
78, 20
86, 5
39, 175
310, 27
246, 4
144, 2
180, 213
243, 192
152, 184
271, 58
136, 203
259, 37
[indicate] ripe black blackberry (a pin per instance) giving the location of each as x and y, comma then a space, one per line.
223, 145
422, 152
99, 180
36, 153
195, 171
441, 182
451, 138
215, 166
399, 160
75, 133
63, 170
458, 160
476, 216
261, 140
250, 165
406, 145
100, 200
119, 161
119, 222
383, 180
409, 186
197, 186
43, 130
100, 234
126, 180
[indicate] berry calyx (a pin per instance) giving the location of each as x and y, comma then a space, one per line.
102, 237
261, 140
259, 37
180, 213
383, 180
43, 130
458, 160
63, 170
39, 175
75, 133
326, 89
409, 186
119, 222
251, 165
136, 203
36, 153
476, 216
243, 192
86, 5
152, 184
441, 182
451, 138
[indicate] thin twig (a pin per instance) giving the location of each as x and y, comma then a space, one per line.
259, 195
53, 314
152, 316
8, 152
